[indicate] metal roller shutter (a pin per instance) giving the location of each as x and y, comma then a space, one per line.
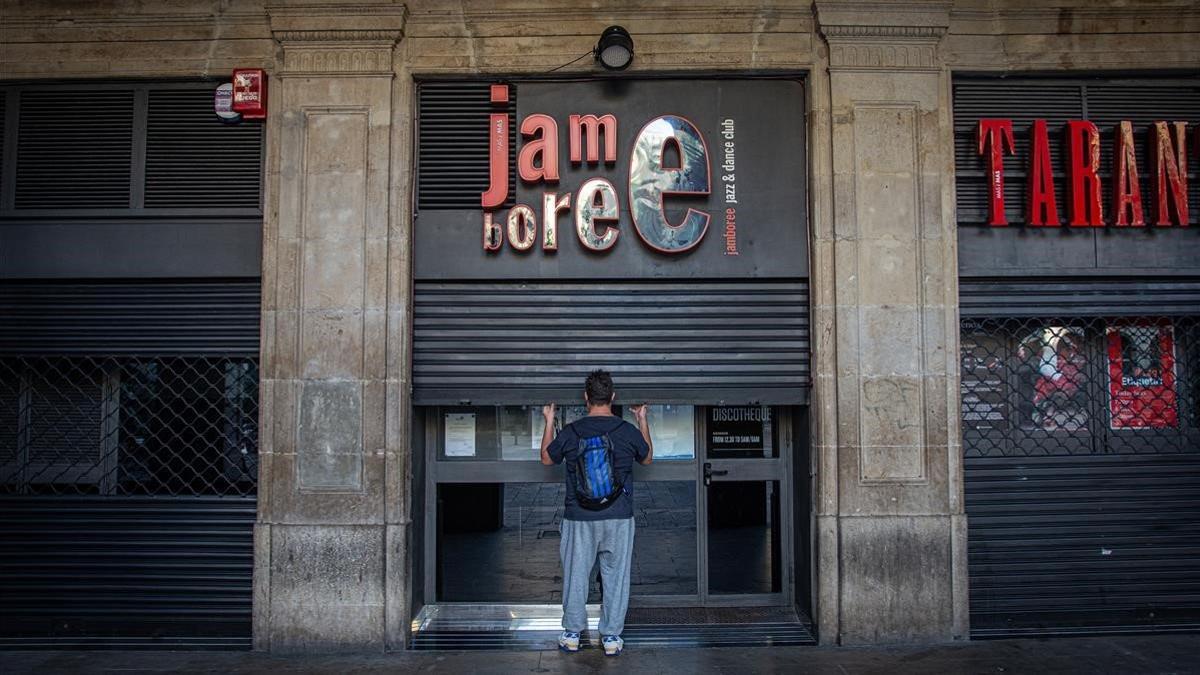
75, 149
157, 318
128, 408
1083, 543
700, 342
129, 463
452, 165
1079, 521
81, 571
1077, 297
193, 161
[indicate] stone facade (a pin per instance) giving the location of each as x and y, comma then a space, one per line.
334, 515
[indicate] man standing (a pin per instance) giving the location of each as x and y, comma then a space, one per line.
599, 451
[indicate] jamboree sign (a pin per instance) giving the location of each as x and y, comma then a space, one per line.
633, 179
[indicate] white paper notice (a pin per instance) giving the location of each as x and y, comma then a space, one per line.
537, 425
460, 434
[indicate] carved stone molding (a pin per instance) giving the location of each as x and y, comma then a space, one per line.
933, 32
338, 35
860, 55
882, 35
337, 60
341, 40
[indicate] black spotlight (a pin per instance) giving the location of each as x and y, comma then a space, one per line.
614, 51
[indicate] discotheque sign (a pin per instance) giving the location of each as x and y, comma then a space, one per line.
632, 179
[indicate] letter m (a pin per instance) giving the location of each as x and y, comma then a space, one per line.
590, 126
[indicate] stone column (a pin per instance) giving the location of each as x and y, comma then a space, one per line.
891, 530
329, 553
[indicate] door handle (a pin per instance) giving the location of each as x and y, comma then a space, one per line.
709, 473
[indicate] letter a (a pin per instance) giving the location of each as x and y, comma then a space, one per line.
546, 146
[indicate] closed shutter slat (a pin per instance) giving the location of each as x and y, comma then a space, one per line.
452, 165
1038, 529
70, 140
683, 343
195, 160
1077, 297
219, 318
152, 571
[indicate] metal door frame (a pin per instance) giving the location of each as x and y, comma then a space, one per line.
750, 469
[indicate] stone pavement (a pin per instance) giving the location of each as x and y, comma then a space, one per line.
1129, 654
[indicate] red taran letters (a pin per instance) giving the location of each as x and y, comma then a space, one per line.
1168, 160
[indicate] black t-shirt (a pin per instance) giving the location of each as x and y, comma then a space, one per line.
628, 447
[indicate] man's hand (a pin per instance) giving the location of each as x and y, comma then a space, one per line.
548, 432
639, 413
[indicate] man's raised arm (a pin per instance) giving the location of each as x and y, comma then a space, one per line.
639, 412
547, 433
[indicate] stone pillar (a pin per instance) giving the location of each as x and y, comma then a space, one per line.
891, 530
329, 549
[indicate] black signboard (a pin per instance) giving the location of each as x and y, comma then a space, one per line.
737, 431
1020, 249
750, 132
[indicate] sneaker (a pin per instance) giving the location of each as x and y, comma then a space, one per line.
613, 644
568, 641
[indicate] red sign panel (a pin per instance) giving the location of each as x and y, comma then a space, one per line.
1141, 376
250, 93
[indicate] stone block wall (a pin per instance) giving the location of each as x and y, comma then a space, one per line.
332, 539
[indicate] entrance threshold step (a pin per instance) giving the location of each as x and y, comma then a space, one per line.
536, 627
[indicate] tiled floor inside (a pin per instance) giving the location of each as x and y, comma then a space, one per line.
520, 563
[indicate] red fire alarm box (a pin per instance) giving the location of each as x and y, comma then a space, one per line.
250, 93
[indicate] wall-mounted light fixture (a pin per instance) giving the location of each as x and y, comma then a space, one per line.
614, 51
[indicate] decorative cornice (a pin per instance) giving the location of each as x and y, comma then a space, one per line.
356, 36
342, 40
898, 35
340, 60
931, 32
850, 55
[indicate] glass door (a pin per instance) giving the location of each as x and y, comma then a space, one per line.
747, 502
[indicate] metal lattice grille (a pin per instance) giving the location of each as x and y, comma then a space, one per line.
128, 426
1064, 386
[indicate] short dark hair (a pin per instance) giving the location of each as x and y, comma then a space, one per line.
598, 388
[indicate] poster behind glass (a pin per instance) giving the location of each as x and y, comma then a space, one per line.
984, 401
1141, 376
1051, 364
488, 433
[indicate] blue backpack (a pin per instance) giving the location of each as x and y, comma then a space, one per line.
596, 484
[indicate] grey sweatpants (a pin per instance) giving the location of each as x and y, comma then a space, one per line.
582, 541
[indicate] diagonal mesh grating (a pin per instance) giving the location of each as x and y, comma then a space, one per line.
1065, 386
123, 426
